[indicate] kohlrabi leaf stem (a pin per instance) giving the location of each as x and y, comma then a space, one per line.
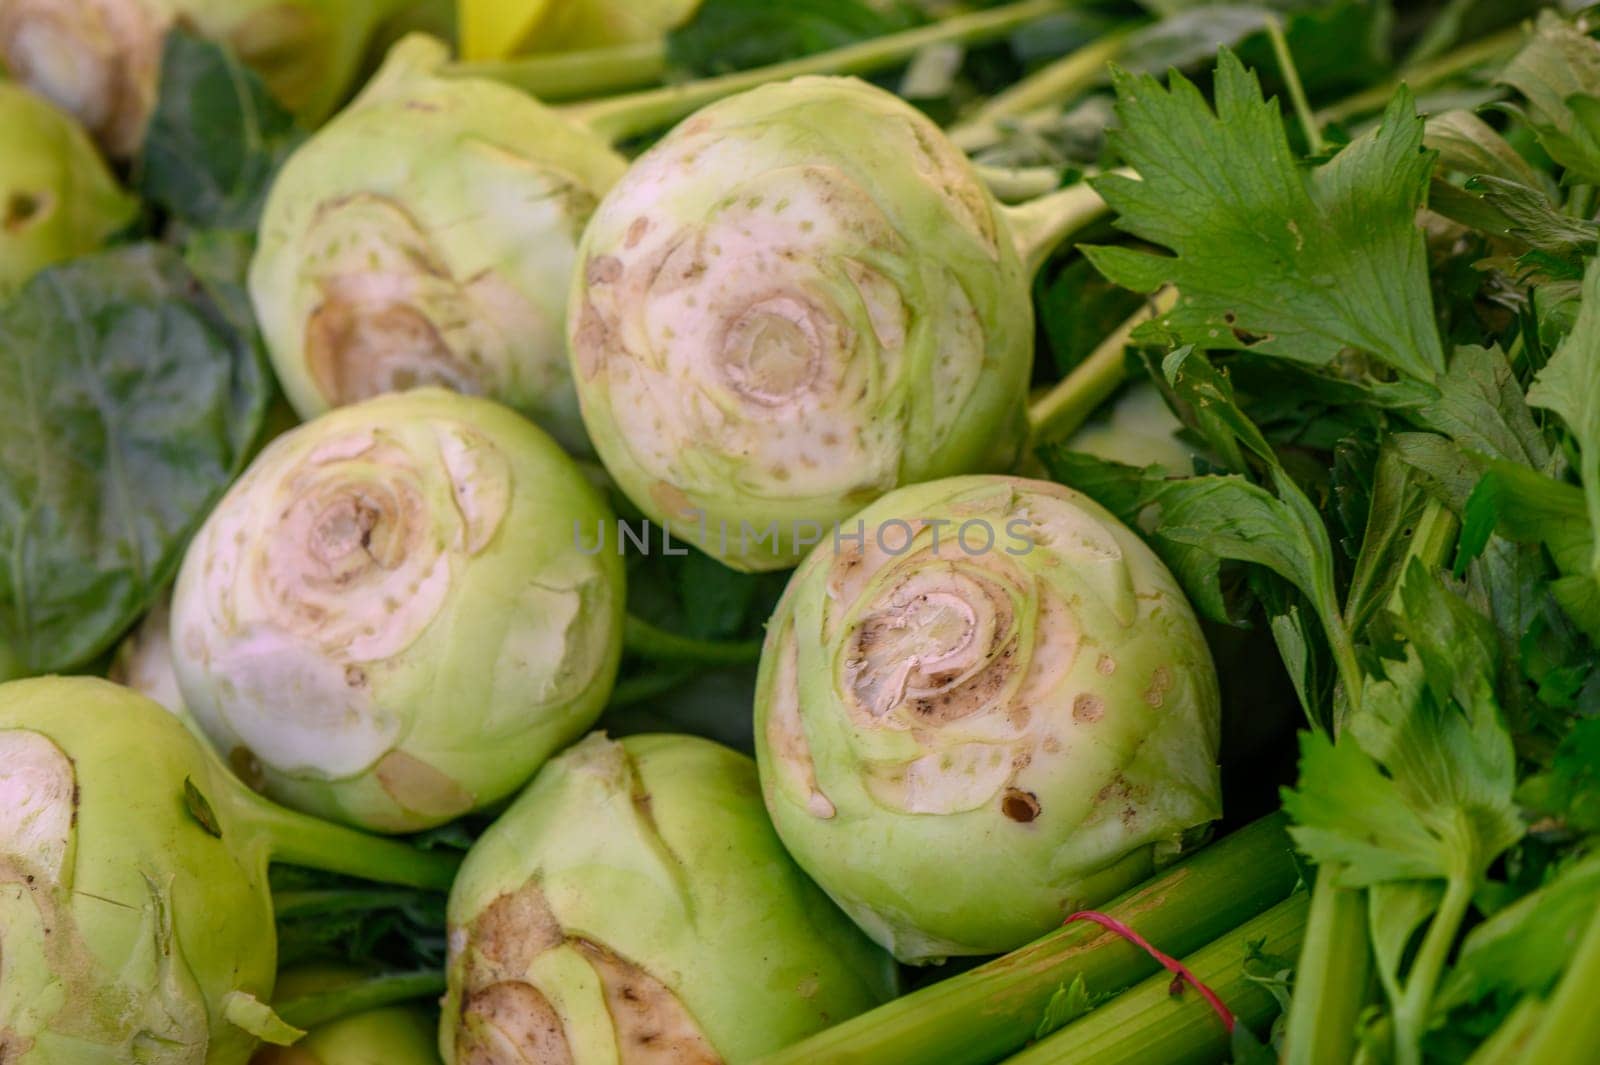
995, 1009
621, 117
1426, 76
1011, 184
1154, 1024
574, 75
1048, 87
1309, 126
652, 642
1062, 410
1040, 225
296, 839
390, 989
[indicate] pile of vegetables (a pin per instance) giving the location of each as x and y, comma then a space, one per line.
886, 531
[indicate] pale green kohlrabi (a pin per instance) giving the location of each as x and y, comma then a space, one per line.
135, 919
799, 299
397, 614
390, 1035
428, 235
633, 905
100, 59
994, 708
143, 660
57, 198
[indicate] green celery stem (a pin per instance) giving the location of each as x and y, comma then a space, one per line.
1148, 1025
1568, 1031
1332, 979
621, 117
994, 1010
393, 989
652, 642
1425, 75
1045, 89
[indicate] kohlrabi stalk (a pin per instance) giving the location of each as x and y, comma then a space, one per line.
100, 59
57, 198
499, 29
992, 708
429, 234
382, 1022
844, 309
398, 613
634, 904
1044, 90
135, 916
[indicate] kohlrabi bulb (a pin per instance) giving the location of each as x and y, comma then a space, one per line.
428, 235
57, 199
993, 708
498, 29
397, 613
135, 919
798, 300
634, 905
143, 661
100, 60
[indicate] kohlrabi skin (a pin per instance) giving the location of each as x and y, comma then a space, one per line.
965, 740
143, 661
394, 617
57, 199
100, 60
634, 906
135, 919
499, 29
428, 235
799, 299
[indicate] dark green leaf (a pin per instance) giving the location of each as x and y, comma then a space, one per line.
727, 35
215, 140
128, 401
1267, 257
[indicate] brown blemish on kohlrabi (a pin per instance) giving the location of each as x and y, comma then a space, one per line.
420, 788
356, 350
653, 1027
1021, 806
513, 1016
508, 935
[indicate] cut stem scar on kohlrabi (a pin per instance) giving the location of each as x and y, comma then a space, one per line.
392, 619
1004, 694
846, 310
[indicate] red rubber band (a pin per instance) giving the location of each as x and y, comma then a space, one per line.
1172, 965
